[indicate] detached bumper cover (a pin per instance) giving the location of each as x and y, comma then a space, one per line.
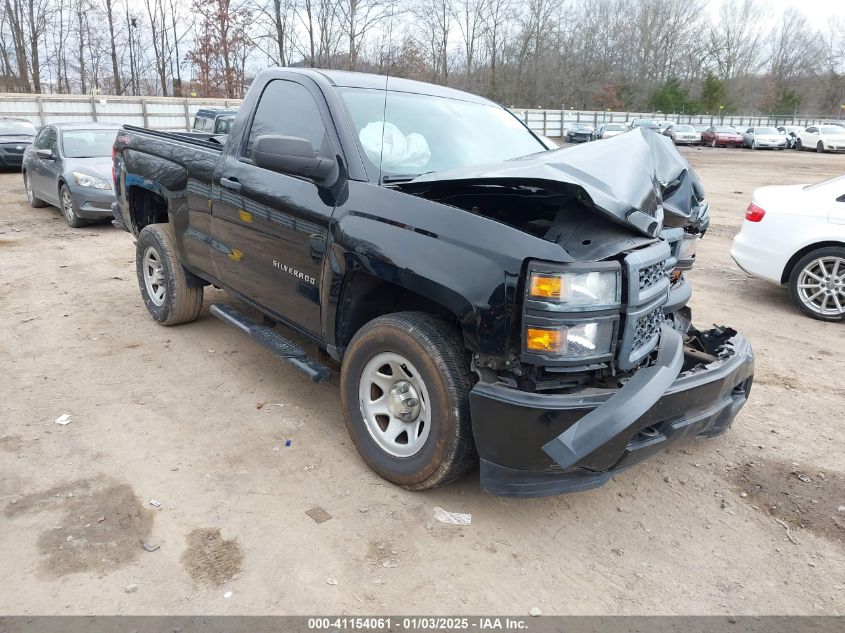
534, 445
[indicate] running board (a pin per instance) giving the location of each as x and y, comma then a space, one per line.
278, 345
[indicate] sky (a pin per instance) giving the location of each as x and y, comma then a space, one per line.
818, 12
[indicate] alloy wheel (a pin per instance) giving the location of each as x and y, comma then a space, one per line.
67, 205
821, 286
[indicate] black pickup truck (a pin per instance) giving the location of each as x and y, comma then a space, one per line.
488, 301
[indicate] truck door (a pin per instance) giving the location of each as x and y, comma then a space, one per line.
270, 247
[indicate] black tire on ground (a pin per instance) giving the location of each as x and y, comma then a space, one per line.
435, 349
66, 206
34, 202
795, 275
820, 147
798, 144
181, 300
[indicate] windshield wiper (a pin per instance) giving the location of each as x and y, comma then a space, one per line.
393, 178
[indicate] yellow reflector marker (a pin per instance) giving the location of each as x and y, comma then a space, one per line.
542, 340
246, 216
547, 286
236, 255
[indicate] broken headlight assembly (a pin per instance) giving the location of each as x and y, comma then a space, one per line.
686, 251
571, 312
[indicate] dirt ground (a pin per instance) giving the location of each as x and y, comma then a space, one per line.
196, 418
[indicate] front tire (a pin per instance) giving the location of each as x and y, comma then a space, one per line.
69, 209
817, 284
34, 202
820, 147
167, 293
405, 385
799, 145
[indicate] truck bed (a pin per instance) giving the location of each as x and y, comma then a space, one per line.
208, 141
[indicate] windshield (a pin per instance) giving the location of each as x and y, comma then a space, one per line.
411, 134
87, 143
684, 128
726, 130
824, 183
832, 129
17, 128
765, 130
615, 127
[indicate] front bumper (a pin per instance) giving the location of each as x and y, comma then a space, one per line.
93, 204
533, 445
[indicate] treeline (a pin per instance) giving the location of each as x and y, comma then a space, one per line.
668, 55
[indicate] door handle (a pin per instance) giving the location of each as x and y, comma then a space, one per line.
230, 183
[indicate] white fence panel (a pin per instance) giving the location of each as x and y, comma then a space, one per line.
160, 113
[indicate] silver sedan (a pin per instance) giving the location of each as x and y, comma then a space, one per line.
763, 137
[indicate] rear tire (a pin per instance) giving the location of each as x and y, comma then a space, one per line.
164, 283
433, 444
820, 274
34, 202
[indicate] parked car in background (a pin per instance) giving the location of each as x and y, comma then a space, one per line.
15, 136
790, 133
651, 124
214, 120
763, 138
580, 133
795, 235
609, 130
700, 127
683, 134
664, 125
721, 136
69, 166
822, 138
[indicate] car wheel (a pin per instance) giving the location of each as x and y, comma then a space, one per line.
798, 145
713, 143
820, 147
753, 145
69, 210
817, 284
33, 201
405, 385
167, 288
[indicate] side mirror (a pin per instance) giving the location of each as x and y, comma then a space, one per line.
46, 154
291, 155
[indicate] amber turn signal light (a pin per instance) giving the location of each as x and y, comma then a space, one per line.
543, 340
546, 286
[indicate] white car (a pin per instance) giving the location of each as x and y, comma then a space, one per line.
822, 138
795, 235
609, 130
760, 137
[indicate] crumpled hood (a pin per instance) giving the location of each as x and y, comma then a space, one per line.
633, 178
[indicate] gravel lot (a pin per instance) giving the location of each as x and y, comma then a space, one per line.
196, 418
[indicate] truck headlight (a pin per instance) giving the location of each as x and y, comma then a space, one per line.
587, 339
576, 290
92, 182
